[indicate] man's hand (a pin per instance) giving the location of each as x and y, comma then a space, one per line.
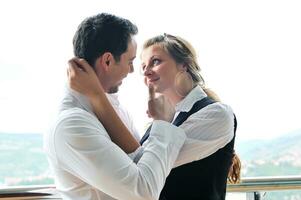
159, 108
83, 79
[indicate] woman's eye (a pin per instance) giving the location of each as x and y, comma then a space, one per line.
156, 61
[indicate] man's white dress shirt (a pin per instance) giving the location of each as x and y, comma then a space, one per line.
124, 115
88, 165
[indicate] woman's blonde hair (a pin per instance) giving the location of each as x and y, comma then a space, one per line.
234, 171
181, 51
184, 53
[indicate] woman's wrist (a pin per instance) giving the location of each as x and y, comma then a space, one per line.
99, 102
97, 96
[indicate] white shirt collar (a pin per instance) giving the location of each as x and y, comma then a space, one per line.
196, 94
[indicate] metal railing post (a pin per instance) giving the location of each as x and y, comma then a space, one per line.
253, 196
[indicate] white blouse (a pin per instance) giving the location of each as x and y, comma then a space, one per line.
207, 130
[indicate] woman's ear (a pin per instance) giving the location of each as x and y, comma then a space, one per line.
183, 67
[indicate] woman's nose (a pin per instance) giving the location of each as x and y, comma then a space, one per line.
147, 71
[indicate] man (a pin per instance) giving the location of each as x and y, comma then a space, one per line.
85, 161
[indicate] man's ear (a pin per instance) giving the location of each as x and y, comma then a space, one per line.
106, 60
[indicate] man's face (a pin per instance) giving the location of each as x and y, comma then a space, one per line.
119, 70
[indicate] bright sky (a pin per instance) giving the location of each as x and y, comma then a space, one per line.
249, 52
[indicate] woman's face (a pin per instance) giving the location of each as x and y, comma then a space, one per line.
159, 69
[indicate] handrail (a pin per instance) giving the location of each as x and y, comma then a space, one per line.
253, 184
29, 192
24, 188
248, 184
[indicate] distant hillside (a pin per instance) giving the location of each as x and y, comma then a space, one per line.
280, 156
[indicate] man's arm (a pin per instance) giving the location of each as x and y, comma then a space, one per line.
82, 146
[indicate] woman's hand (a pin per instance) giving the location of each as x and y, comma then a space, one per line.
159, 108
83, 79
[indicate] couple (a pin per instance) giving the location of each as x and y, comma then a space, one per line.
93, 147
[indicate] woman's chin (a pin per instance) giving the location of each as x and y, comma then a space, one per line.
158, 89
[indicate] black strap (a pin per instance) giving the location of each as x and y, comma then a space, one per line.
183, 115
146, 135
196, 107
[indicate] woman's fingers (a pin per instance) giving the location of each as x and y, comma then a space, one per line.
82, 64
148, 114
151, 92
87, 67
75, 75
73, 67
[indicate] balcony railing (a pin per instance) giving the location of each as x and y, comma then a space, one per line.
254, 186
251, 186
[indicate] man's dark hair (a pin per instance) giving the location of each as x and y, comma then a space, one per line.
103, 33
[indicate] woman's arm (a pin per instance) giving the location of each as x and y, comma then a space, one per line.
83, 148
207, 131
83, 79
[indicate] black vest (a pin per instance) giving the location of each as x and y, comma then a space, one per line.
205, 179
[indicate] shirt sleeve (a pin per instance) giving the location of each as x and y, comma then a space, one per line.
207, 131
88, 153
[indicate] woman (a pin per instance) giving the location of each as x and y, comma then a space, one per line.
170, 68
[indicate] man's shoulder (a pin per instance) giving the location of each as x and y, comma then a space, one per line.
74, 111
76, 120
76, 115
